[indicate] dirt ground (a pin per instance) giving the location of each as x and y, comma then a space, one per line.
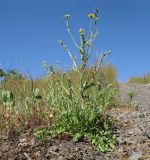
133, 134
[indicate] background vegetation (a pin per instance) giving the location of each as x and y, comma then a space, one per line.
145, 79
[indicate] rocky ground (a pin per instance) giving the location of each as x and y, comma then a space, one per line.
134, 130
133, 134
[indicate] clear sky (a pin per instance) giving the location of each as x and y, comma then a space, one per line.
30, 29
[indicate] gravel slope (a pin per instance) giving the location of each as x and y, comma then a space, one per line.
134, 136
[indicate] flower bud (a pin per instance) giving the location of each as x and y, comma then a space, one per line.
91, 16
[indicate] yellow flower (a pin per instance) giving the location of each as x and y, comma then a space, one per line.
91, 15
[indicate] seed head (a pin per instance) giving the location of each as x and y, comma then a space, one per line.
67, 16
81, 31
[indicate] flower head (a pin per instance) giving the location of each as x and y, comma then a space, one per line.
60, 42
91, 16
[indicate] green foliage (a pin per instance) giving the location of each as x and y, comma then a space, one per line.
42, 134
35, 98
131, 95
2, 73
83, 120
103, 139
7, 97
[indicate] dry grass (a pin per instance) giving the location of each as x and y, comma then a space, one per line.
143, 80
25, 115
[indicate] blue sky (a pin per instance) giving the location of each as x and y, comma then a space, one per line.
30, 29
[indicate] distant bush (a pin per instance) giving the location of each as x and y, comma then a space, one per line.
145, 79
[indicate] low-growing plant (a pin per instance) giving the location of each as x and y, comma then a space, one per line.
7, 98
42, 134
131, 95
35, 98
78, 107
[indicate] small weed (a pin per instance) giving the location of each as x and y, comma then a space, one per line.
131, 95
42, 134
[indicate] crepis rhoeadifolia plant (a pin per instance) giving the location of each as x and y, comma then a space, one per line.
78, 107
